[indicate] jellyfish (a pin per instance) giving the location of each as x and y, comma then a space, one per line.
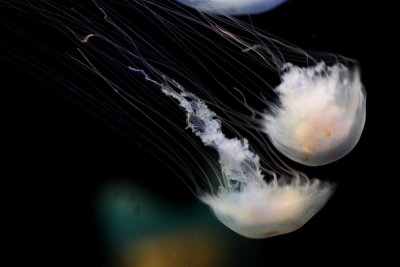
204, 77
321, 109
245, 202
233, 7
320, 115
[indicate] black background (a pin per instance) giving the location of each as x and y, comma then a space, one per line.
57, 153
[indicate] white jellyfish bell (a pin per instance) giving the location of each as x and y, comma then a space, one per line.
232, 7
269, 209
320, 115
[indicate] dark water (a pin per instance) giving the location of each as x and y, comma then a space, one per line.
61, 154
